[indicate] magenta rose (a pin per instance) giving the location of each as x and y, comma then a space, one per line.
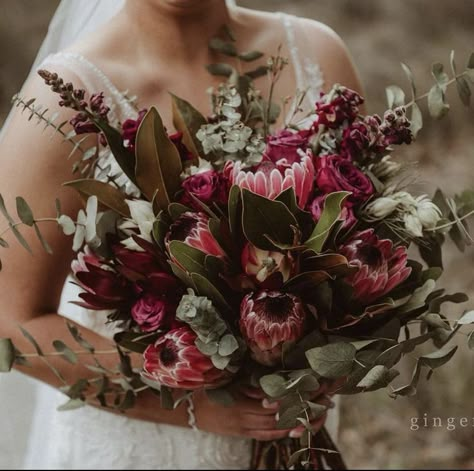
151, 312
381, 266
207, 187
286, 147
347, 213
334, 173
175, 361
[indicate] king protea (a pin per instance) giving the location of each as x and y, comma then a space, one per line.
381, 266
175, 361
268, 319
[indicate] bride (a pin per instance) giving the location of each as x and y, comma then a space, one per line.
149, 48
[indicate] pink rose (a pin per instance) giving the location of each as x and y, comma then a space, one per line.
334, 173
206, 186
283, 148
151, 312
347, 213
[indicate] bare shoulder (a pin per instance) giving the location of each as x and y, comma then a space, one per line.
330, 51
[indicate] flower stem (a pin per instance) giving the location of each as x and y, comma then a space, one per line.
449, 224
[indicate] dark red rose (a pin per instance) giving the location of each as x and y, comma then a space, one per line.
130, 129
207, 187
343, 107
287, 147
334, 173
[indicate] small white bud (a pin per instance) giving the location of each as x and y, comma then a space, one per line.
382, 207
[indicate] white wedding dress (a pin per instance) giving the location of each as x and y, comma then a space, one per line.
91, 438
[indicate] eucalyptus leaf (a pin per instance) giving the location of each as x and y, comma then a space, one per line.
411, 78
42, 240
470, 340
273, 385
3, 210
166, 398
416, 120
464, 91
65, 351
72, 404
224, 47
251, 56
467, 318
395, 96
7, 355
76, 335
438, 358
228, 345
24, 211
378, 377
33, 342
435, 320
418, 298
220, 69
20, 238
67, 224
333, 360
436, 102
440, 75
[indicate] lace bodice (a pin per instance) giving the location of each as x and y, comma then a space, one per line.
90, 438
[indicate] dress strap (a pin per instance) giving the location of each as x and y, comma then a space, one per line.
308, 73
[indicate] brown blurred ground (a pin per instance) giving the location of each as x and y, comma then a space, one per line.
380, 34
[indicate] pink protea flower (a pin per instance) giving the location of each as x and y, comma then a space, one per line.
270, 181
193, 229
260, 264
269, 319
175, 361
381, 266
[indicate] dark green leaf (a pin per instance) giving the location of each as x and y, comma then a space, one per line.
224, 47
258, 72
329, 217
4, 211
20, 238
205, 288
220, 69
333, 360
76, 335
42, 240
175, 210
31, 339
7, 355
262, 217
166, 397
65, 351
4, 243
72, 404
188, 120
378, 377
221, 396
390, 357
470, 340
24, 211
464, 91
134, 341
189, 258
233, 209
251, 56
435, 321
470, 62
128, 401
158, 164
107, 195
418, 298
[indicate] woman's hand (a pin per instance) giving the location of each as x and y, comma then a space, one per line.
247, 417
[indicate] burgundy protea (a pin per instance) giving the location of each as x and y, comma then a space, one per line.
270, 181
343, 107
382, 267
268, 319
193, 229
104, 288
175, 361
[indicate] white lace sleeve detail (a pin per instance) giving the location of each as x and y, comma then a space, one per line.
309, 75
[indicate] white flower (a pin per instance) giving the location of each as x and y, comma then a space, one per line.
413, 225
382, 207
86, 227
142, 218
428, 213
201, 167
386, 168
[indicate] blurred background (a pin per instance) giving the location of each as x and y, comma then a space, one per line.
375, 430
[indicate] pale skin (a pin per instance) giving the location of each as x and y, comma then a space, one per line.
151, 48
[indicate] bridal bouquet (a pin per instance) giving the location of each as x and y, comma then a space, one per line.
244, 254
